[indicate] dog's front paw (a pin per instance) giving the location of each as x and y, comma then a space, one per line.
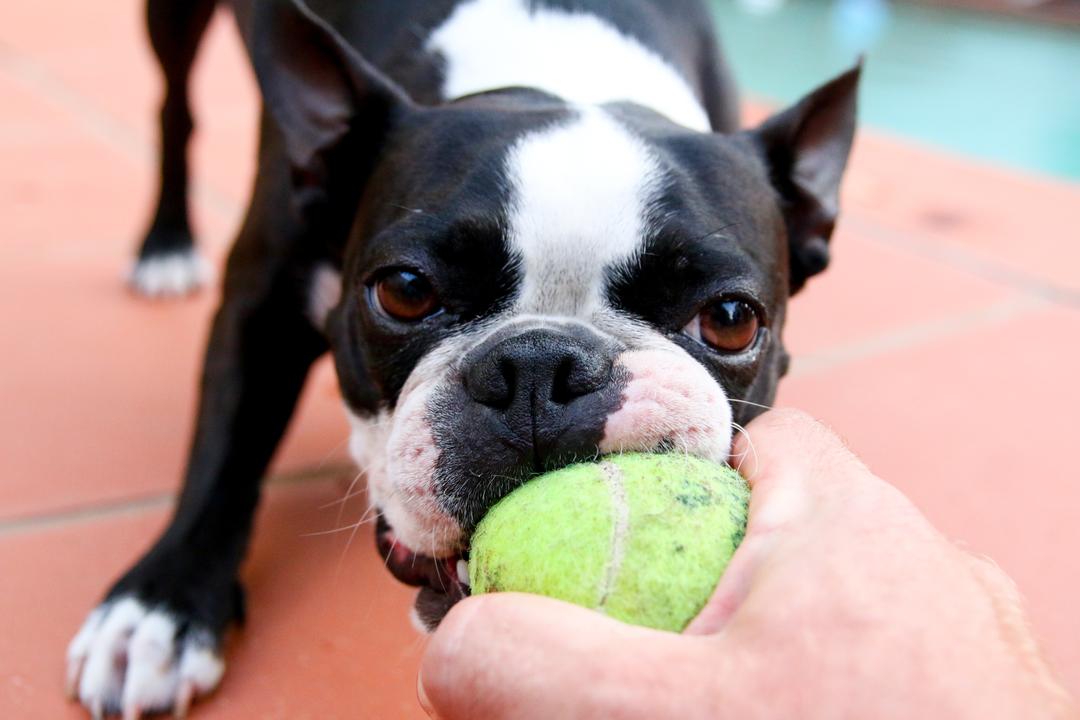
133, 659
169, 274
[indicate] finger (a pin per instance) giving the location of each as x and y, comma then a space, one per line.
784, 443
509, 655
789, 459
781, 454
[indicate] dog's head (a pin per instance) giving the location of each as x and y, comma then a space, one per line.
526, 283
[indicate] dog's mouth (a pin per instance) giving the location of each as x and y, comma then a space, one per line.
442, 581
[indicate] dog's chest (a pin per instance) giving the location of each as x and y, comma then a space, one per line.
489, 44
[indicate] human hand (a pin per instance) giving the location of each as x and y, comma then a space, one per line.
842, 601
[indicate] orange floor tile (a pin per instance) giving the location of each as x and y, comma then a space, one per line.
328, 637
943, 344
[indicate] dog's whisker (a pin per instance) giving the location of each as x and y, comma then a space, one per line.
346, 498
348, 494
348, 543
368, 517
341, 510
748, 402
386, 560
442, 583
334, 531
750, 449
330, 453
364, 520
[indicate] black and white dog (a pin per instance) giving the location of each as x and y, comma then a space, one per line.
528, 230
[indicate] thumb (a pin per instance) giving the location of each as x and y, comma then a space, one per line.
786, 447
510, 655
789, 459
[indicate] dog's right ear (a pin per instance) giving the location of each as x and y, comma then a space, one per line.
806, 148
334, 109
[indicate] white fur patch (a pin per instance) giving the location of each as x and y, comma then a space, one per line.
324, 294
169, 275
489, 44
581, 192
419, 625
398, 457
129, 658
367, 447
670, 398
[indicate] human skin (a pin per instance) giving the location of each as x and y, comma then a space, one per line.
842, 602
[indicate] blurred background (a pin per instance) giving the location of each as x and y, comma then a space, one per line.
1000, 84
943, 342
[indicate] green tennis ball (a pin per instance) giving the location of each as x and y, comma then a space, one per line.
641, 538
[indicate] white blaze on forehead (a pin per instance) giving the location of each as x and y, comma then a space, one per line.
581, 192
489, 44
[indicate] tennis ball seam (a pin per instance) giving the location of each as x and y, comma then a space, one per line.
640, 538
620, 529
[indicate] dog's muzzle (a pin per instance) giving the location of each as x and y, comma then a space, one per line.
524, 401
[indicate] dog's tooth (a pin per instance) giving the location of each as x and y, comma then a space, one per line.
463, 571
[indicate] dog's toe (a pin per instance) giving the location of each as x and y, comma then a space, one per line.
170, 274
131, 659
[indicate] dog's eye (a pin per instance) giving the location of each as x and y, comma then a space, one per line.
406, 295
727, 325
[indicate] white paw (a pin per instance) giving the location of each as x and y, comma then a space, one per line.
169, 274
128, 659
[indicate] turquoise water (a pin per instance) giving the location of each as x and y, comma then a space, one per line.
1004, 90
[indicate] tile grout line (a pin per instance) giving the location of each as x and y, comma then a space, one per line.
113, 132
916, 335
127, 508
963, 260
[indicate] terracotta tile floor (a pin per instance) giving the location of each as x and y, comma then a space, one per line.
943, 343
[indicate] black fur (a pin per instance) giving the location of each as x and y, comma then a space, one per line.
175, 29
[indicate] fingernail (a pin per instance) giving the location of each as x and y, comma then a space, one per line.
421, 695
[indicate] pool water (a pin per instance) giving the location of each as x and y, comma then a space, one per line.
1000, 89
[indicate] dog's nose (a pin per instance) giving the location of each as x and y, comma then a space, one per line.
543, 392
537, 371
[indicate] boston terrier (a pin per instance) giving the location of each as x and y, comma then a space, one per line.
529, 231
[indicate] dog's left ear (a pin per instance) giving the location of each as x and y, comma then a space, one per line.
334, 109
806, 148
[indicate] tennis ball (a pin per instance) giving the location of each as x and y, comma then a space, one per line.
642, 538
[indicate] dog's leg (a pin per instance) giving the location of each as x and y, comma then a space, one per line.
167, 263
155, 642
